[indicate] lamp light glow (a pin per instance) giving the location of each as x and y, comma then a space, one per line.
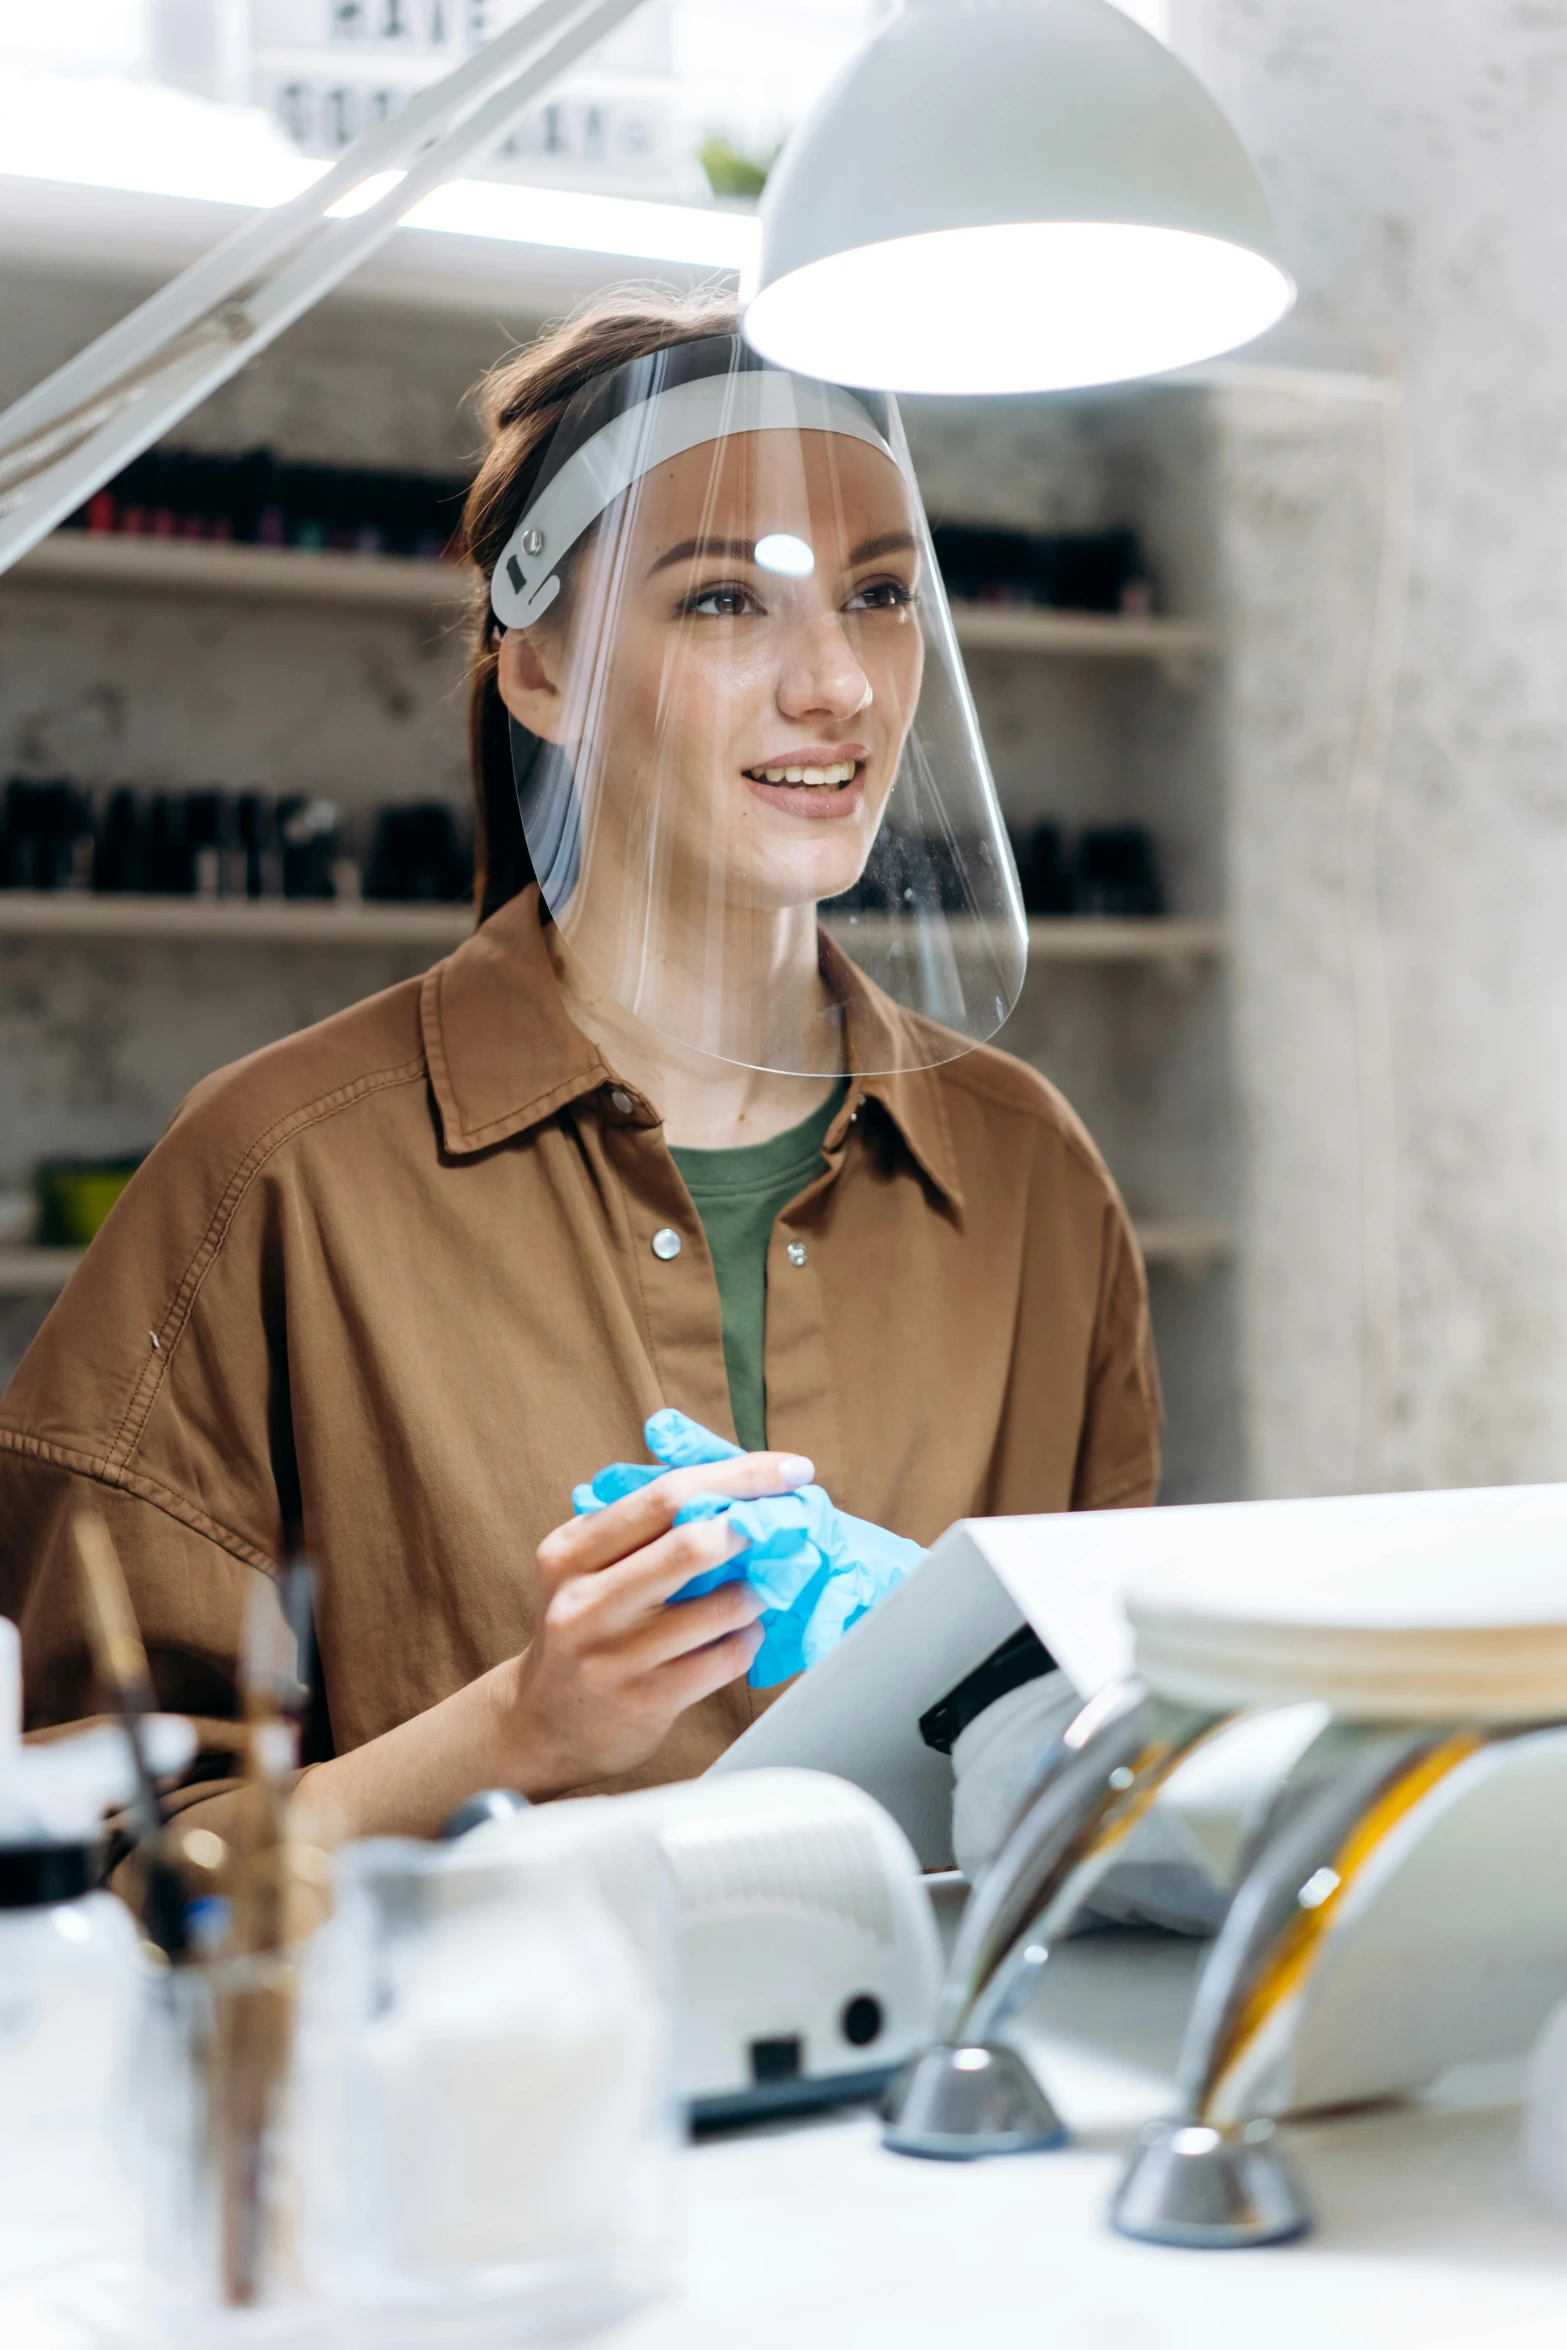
1023, 307
143, 140
780, 551
1011, 196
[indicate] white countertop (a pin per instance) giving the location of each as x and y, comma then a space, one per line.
813, 2235
809, 2236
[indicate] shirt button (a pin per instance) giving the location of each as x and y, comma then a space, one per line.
666, 1243
795, 1252
621, 1102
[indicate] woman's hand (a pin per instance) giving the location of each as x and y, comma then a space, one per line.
608, 1671
613, 1665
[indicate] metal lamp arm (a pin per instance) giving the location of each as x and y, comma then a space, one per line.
83, 424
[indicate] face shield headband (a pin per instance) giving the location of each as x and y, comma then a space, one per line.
665, 423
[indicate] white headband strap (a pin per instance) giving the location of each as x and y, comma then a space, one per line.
527, 577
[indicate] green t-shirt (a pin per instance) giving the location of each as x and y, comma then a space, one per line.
739, 1195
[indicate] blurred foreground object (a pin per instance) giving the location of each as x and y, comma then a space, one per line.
486, 2137
1394, 1917
1545, 2120
438, 2111
69, 1973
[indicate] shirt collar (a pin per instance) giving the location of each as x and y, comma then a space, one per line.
503, 1053
907, 1051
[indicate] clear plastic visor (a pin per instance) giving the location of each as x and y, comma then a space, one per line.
747, 763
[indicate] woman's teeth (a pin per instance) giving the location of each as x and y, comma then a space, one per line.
813, 778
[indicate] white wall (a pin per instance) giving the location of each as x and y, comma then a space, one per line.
1417, 157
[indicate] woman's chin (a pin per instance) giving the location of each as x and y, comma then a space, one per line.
801, 860
785, 884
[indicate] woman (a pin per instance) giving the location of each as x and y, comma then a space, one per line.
650, 1138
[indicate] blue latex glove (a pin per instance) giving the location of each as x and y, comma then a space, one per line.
816, 1569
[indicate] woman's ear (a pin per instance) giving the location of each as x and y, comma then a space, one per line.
523, 673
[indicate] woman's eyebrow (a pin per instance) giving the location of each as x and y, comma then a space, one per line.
891, 542
732, 551
888, 542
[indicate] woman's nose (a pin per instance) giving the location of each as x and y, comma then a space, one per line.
822, 677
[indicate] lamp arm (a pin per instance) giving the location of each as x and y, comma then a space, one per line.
72, 432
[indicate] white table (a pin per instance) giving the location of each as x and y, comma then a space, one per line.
812, 2237
809, 2236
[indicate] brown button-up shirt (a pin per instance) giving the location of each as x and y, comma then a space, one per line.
386, 1289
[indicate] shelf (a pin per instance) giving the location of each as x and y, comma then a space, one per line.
79, 558
282, 575
1186, 1244
1102, 938
1000, 628
36, 1272
231, 921
1188, 1247
309, 922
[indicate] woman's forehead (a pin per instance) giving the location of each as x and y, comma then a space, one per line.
821, 486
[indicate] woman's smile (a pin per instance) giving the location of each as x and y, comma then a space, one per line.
815, 781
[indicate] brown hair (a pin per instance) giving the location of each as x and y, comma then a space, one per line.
520, 402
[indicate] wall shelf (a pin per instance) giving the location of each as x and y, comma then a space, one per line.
36, 1272
999, 628
1187, 1247
24, 913
1185, 1244
231, 921
79, 558
280, 575
1102, 938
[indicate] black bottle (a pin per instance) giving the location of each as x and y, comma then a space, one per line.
165, 857
118, 861
416, 854
258, 844
1043, 868
1118, 871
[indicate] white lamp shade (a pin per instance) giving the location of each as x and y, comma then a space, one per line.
1012, 196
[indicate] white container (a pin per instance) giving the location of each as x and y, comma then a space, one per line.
69, 1971
484, 2118
18, 1218
468, 2146
1545, 2116
72, 1977
68, 1982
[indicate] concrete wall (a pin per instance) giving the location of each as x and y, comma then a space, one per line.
1407, 1195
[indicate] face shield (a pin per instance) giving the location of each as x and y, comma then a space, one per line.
749, 771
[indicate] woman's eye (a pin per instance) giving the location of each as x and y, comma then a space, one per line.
880, 595
723, 603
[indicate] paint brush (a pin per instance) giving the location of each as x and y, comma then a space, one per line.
120, 1663
256, 2012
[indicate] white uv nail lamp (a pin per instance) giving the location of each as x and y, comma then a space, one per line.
808, 1957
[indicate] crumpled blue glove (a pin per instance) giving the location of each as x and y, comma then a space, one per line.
817, 1569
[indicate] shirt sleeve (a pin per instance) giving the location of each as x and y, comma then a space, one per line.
190, 1598
149, 1397
1118, 1452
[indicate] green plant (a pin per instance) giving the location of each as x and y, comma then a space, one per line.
729, 173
